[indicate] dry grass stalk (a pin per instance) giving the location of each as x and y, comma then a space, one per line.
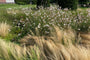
11, 51
43, 49
53, 49
4, 29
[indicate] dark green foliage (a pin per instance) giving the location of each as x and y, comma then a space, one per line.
84, 3
44, 3
21, 25
68, 4
53, 1
22, 2
38, 3
34, 1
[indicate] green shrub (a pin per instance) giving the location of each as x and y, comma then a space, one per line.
43, 19
53, 1
23, 24
34, 1
68, 4
44, 3
84, 3
22, 2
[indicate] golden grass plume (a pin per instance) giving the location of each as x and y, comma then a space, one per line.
63, 46
4, 29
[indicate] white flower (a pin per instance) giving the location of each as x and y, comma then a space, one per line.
19, 34
18, 23
9, 8
78, 28
46, 25
14, 13
46, 32
27, 14
24, 25
27, 19
39, 25
89, 27
64, 24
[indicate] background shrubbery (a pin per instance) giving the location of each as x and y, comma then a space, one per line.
64, 4
22, 2
68, 4
84, 3
34, 1
44, 3
53, 1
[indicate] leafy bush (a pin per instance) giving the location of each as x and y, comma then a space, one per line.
27, 21
53, 1
84, 3
21, 25
43, 20
34, 1
22, 2
68, 4
44, 3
